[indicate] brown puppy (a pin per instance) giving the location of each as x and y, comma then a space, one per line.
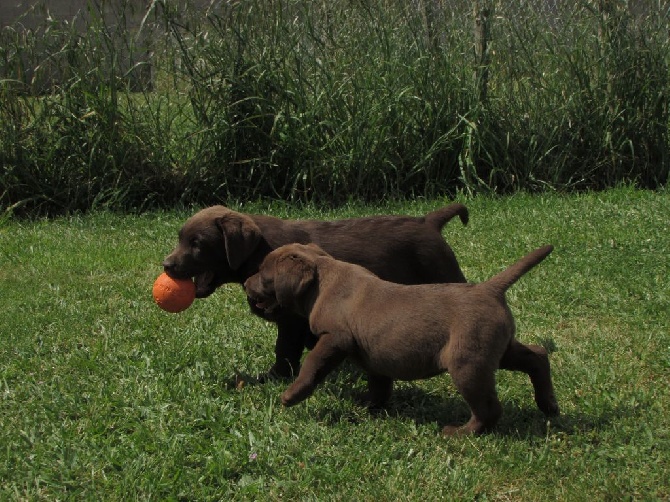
218, 245
399, 332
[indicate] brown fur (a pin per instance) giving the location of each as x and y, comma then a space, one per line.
400, 332
218, 245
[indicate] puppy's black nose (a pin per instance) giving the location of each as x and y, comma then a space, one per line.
168, 265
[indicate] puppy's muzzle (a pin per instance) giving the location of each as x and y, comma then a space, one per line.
205, 282
258, 301
174, 267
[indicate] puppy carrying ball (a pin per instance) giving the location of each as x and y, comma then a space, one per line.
218, 245
403, 332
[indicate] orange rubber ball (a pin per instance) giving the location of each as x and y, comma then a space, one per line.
173, 295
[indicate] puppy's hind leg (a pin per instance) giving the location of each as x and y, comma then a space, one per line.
478, 388
327, 354
534, 361
379, 391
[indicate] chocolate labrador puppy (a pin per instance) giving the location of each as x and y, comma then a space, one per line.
400, 332
218, 245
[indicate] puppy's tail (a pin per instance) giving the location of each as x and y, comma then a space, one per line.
502, 281
437, 219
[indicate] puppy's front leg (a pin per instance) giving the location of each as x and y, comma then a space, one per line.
327, 354
292, 331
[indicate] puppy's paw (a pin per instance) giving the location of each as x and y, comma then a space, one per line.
283, 370
270, 376
460, 430
370, 401
289, 399
548, 405
297, 392
452, 430
279, 372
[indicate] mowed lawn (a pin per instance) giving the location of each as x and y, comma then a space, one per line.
105, 397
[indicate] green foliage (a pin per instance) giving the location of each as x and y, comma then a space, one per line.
584, 103
328, 102
104, 396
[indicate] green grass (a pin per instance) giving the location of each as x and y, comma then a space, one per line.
105, 397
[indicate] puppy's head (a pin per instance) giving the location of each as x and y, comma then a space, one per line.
213, 245
284, 278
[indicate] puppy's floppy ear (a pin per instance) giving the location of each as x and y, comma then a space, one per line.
294, 273
241, 236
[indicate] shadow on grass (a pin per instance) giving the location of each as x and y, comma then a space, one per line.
521, 420
426, 407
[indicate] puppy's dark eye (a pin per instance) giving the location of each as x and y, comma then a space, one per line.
194, 242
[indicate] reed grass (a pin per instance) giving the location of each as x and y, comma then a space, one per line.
330, 101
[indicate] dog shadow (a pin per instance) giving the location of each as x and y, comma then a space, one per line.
430, 408
409, 401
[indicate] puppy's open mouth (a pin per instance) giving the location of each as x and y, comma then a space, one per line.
266, 305
205, 284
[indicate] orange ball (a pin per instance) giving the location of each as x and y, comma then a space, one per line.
173, 295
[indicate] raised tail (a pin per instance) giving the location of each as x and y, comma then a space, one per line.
440, 217
510, 275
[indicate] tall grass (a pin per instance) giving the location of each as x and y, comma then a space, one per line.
328, 101
585, 103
